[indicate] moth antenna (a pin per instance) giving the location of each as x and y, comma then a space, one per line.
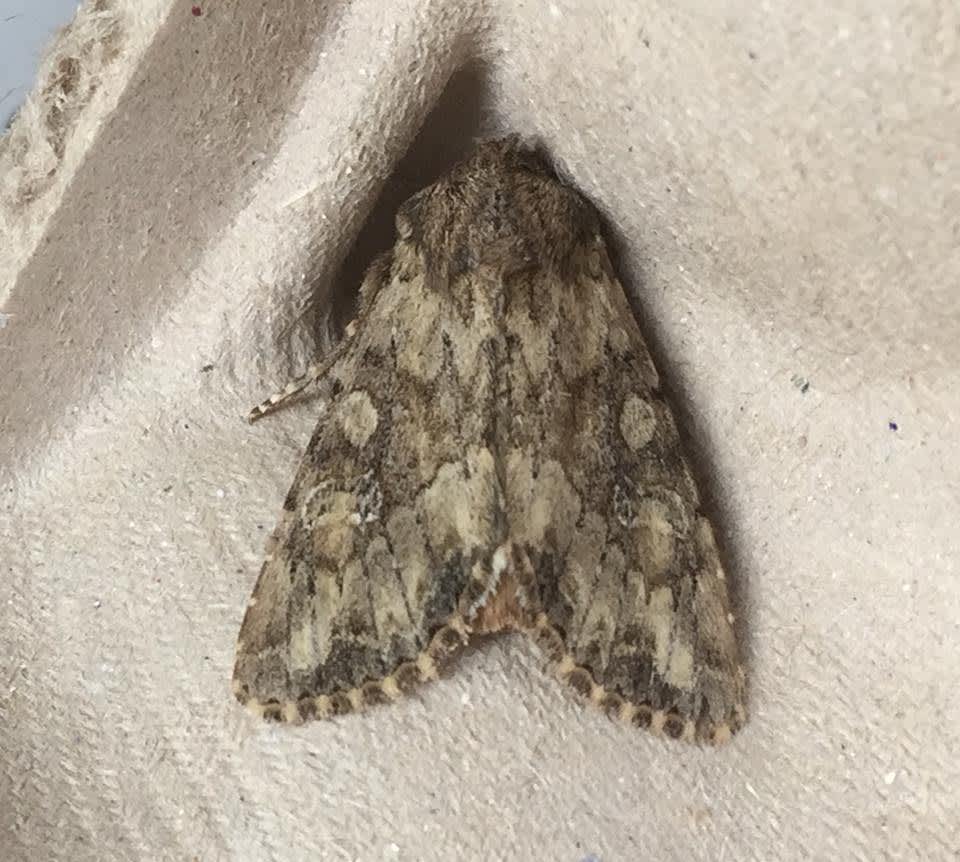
314, 373
318, 370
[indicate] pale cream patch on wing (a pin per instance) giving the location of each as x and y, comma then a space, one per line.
680, 669
673, 657
656, 536
535, 504
380, 326
301, 650
662, 518
582, 334
660, 624
618, 339
460, 502
638, 422
418, 334
358, 418
329, 518
312, 626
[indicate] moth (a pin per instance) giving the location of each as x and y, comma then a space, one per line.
495, 455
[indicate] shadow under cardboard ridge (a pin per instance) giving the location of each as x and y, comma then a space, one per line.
448, 134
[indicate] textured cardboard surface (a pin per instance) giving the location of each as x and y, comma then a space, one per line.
782, 192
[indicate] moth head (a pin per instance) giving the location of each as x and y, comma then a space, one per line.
503, 207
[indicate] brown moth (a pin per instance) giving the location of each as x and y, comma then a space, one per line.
496, 455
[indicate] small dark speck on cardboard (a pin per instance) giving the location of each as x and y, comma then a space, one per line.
893, 426
196, 11
207, 367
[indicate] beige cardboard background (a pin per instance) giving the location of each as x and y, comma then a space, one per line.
782, 191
